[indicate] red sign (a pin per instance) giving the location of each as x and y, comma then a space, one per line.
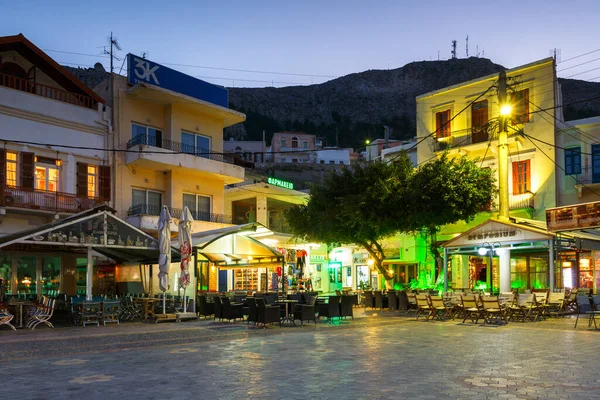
278, 271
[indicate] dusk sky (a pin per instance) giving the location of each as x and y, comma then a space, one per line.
330, 38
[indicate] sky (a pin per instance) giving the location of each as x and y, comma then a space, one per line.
304, 42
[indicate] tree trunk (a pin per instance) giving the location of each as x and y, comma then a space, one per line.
434, 248
376, 253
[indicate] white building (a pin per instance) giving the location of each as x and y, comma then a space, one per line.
409, 146
334, 156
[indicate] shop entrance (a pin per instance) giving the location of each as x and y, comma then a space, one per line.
223, 280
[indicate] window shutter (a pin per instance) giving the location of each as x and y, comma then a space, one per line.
515, 178
2, 175
438, 124
27, 170
104, 182
526, 105
82, 181
526, 175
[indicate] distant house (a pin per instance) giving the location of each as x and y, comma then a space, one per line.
294, 147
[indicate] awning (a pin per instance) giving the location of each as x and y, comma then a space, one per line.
98, 228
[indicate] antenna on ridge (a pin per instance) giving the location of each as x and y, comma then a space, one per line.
477, 50
453, 49
555, 53
467, 46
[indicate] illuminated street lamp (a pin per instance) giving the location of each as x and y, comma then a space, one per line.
506, 110
487, 248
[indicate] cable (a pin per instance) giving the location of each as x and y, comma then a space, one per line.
577, 65
581, 55
581, 132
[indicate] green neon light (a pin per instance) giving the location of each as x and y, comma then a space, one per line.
280, 183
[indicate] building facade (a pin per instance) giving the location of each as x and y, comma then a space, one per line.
294, 147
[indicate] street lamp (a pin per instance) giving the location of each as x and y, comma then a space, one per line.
488, 248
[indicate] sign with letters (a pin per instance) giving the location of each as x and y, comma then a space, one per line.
280, 183
574, 217
141, 70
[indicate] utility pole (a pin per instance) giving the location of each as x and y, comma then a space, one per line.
503, 148
453, 49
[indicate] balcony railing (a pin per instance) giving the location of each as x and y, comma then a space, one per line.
517, 203
49, 92
44, 200
177, 147
464, 137
586, 176
150, 209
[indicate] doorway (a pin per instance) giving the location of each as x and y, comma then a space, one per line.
223, 280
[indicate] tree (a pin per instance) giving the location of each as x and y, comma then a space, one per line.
366, 203
359, 205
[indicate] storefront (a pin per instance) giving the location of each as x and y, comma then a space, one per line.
521, 254
78, 255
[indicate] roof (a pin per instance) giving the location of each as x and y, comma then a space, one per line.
55, 71
98, 228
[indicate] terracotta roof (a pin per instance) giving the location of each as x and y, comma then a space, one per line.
36, 56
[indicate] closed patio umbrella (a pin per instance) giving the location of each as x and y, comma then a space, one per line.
164, 246
185, 248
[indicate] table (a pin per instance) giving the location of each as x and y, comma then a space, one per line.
147, 302
20, 304
287, 311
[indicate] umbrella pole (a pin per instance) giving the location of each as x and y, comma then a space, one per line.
164, 304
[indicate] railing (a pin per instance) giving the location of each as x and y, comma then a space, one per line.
586, 176
49, 92
145, 140
516, 203
45, 200
464, 137
150, 209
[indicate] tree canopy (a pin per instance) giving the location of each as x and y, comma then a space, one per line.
367, 202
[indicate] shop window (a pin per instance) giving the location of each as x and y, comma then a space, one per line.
538, 272
521, 171
27, 275
518, 273
529, 271
573, 161
11, 169
50, 276
46, 178
442, 123
520, 103
6, 273
586, 273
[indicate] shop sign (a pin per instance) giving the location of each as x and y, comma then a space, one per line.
493, 235
141, 70
316, 258
280, 183
579, 216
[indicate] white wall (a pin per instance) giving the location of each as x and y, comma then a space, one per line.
339, 156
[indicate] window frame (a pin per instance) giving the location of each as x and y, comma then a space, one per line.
446, 131
157, 142
47, 168
294, 142
520, 104
572, 159
305, 144
196, 148
519, 187
16, 166
93, 184
196, 210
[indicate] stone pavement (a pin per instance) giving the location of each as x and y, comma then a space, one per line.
378, 357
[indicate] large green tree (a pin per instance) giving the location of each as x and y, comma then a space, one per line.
366, 203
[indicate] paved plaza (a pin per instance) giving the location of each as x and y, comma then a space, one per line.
380, 356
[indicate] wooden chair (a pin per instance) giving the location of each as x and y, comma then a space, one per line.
412, 302
493, 312
471, 308
424, 307
556, 304
523, 307
439, 308
584, 307
110, 312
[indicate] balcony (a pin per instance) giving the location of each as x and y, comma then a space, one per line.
156, 153
43, 200
25, 85
153, 210
465, 137
586, 180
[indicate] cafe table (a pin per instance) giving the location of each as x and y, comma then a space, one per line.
286, 317
19, 304
148, 304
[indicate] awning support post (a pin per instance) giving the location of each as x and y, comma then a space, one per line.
551, 267
445, 270
90, 274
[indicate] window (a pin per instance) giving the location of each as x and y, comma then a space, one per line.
91, 181
520, 103
573, 161
199, 205
294, 142
479, 119
283, 143
141, 134
146, 202
11, 169
331, 161
521, 171
341, 162
46, 178
283, 159
193, 143
294, 160
305, 144
322, 161
442, 123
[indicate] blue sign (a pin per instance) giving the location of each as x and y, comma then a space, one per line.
140, 70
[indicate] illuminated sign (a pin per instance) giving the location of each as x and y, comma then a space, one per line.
493, 235
578, 216
280, 183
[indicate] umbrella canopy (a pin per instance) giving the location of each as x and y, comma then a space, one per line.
164, 247
185, 245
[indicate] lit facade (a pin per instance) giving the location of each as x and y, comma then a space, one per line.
299, 147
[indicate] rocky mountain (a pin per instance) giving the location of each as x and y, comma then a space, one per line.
356, 106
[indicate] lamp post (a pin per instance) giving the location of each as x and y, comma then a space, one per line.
488, 248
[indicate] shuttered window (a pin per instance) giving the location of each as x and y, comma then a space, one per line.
104, 182
573, 161
442, 123
27, 170
520, 103
82, 188
521, 172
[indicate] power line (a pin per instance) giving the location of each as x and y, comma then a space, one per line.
581, 55
577, 65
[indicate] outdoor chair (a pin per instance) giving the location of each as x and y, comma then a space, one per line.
380, 301
570, 305
424, 307
402, 301
540, 302
470, 308
523, 308
110, 312
493, 312
43, 314
90, 313
218, 309
346, 306
308, 311
5, 318
556, 304
338, 293
231, 311
252, 311
267, 314
439, 308
392, 300
205, 309
368, 299
331, 309
298, 297
585, 307
412, 302
506, 298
